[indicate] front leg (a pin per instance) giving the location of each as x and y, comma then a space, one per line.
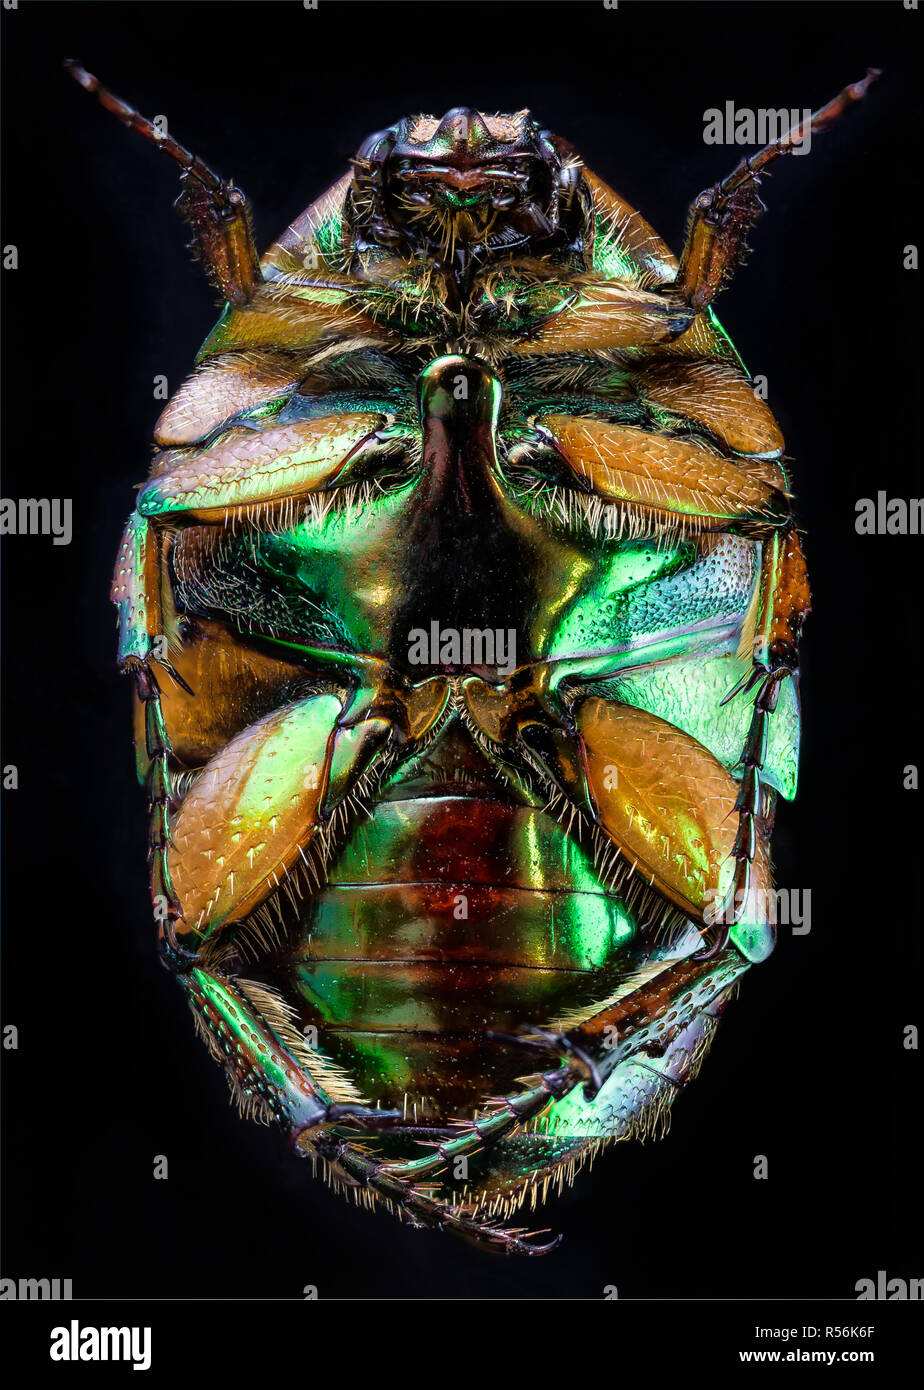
216, 211
721, 217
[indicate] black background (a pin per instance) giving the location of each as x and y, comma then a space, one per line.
809, 1066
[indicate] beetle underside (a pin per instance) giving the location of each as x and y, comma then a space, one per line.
463, 603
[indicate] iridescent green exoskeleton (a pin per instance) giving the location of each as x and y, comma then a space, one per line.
463, 604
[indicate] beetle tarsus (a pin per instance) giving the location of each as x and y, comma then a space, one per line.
359, 1169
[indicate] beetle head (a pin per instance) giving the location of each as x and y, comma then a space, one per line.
467, 180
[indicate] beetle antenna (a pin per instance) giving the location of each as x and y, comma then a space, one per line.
217, 211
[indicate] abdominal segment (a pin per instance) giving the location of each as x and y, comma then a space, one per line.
445, 918
450, 903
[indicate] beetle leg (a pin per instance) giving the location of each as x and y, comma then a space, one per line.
721, 217
589, 1060
588, 1051
785, 604
506, 1114
157, 745
136, 594
360, 1169
261, 1068
747, 806
216, 211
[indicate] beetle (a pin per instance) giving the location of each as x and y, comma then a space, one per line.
463, 605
